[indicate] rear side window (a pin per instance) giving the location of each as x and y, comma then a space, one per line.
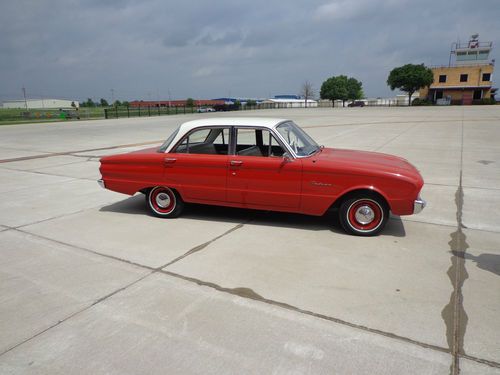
211, 141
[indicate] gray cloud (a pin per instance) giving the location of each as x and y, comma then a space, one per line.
78, 49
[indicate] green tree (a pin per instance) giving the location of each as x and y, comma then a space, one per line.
89, 103
341, 88
410, 78
117, 103
190, 102
104, 103
73, 104
126, 103
251, 103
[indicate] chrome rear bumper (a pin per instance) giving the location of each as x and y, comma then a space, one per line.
101, 183
419, 205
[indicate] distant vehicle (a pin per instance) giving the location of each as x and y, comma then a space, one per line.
205, 109
357, 103
266, 164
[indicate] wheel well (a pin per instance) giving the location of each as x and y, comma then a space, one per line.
350, 194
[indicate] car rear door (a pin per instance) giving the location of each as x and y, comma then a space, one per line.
197, 167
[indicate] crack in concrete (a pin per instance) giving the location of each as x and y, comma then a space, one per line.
48, 174
49, 155
241, 292
381, 122
454, 314
204, 245
76, 313
250, 294
397, 136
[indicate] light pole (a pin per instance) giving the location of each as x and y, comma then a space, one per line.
25, 101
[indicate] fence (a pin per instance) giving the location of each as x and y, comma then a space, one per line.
86, 113
121, 112
118, 112
21, 115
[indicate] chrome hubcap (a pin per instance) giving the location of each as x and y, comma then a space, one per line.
163, 200
364, 215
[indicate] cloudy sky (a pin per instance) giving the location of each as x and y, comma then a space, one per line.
205, 49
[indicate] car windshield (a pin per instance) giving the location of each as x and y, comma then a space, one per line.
169, 140
299, 141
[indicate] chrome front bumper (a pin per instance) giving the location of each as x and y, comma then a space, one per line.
101, 183
419, 205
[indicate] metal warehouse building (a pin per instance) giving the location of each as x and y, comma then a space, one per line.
40, 103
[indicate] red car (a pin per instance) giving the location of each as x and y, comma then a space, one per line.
266, 164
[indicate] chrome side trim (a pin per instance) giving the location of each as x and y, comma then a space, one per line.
101, 183
419, 205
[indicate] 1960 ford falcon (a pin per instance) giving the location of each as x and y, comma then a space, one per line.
266, 164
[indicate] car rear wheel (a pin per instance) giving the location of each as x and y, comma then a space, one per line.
363, 215
164, 202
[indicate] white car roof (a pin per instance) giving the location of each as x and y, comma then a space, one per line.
224, 121
231, 121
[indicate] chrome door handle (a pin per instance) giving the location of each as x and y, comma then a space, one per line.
170, 160
236, 163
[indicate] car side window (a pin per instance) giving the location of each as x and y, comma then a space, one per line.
211, 141
257, 142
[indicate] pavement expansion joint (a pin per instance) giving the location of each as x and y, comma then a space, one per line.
397, 136
454, 314
84, 249
51, 154
204, 245
52, 218
76, 313
250, 294
70, 178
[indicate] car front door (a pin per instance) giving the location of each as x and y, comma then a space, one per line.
197, 165
260, 173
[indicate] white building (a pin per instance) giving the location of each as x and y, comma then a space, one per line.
40, 103
291, 103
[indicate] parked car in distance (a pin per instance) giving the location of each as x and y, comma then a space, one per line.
205, 109
356, 103
266, 164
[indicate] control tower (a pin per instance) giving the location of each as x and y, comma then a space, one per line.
468, 77
472, 53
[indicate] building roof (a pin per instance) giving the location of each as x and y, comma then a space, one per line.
280, 100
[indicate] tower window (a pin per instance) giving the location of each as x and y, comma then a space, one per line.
486, 77
442, 78
464, 77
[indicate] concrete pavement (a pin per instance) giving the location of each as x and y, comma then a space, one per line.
91, 283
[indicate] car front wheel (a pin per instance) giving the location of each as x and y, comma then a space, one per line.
164, 202
363, 215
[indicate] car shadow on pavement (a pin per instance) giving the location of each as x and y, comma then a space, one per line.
136, 205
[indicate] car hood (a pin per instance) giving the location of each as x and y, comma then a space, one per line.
367, 163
